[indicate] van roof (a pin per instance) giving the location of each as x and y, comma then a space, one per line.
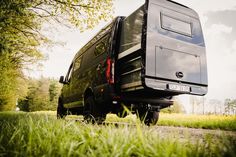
178, 3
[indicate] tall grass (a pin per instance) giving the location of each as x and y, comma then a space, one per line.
24, 134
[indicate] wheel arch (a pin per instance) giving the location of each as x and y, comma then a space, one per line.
88, 92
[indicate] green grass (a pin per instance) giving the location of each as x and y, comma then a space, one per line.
40, 134
221, 122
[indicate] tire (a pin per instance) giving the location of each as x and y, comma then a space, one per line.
148, 117
91, 112
61, 111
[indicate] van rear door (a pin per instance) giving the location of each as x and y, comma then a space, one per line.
175, 48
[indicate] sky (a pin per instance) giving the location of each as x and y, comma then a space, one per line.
219, 28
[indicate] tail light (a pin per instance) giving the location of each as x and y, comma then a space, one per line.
110, 71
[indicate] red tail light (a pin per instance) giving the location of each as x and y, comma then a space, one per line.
110, 71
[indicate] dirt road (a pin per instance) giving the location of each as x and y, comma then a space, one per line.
191, 133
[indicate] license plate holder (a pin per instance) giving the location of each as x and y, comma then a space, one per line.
181, 88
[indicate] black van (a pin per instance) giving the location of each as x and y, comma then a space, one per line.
140, 62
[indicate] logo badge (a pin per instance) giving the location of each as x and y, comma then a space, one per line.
179, 74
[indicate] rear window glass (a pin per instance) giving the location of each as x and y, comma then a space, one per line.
100, 48
176, 25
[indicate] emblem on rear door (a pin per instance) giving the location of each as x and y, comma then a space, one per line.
179, 74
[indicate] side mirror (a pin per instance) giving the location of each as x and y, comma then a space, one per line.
61, 80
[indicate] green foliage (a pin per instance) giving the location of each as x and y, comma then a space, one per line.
24, 134
42, 95
54, 90
82, 13
221, 122
199, 121
18, 47
20, 24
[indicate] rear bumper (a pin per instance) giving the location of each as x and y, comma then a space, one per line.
162, 85
106, 95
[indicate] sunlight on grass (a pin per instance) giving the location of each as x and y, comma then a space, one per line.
222, 122
199, 121
39, 134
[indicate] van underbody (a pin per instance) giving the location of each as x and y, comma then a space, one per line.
155, 53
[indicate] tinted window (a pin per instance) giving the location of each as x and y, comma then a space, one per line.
77, 63
131, 32
176, 25
100, 48
97, 37
154, 24
95, 53
88, 58
68, 76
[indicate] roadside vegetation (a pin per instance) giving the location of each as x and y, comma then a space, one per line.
41, 134
41, 95
21, 27
223, 122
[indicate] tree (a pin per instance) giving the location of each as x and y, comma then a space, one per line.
230, 106
20, 24
42, 95
54, 92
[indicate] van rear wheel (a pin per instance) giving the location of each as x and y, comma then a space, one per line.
91, 112
149, 117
